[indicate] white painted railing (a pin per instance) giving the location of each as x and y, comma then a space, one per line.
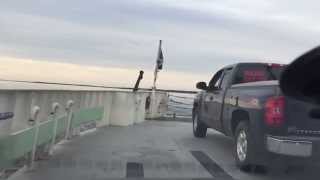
61, 110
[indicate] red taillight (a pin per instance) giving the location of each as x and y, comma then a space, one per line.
274, 111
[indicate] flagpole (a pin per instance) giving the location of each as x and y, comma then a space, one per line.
153, 93
155, 78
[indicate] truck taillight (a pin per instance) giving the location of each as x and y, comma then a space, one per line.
274, 111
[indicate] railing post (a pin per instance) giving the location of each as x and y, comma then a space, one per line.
54, 111
69, 118
137, 103
34, 118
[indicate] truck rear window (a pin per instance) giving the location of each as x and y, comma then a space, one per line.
258, 72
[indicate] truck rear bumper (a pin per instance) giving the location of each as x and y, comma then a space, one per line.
290, 146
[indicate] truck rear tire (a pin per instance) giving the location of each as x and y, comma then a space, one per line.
243, 147
199, 128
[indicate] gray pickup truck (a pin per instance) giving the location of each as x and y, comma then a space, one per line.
244, 101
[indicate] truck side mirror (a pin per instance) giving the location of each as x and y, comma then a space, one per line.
202, 85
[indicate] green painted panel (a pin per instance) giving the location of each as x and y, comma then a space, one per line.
45, 132
19, 144
6, 146
62, 125
22, 143
87, 115
16, 146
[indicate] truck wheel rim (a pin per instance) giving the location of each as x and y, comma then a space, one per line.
242, 144
195, 122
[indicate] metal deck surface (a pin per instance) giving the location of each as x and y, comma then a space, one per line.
150, 150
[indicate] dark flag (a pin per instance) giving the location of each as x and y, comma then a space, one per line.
158, 66
160, 57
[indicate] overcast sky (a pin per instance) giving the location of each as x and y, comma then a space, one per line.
199, 36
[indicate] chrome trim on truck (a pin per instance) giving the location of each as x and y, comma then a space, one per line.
280, 145
298, 131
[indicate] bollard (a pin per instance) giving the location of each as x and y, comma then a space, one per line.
54, 111
69, 118
34, 118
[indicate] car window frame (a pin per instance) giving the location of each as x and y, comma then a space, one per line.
227, 70
218, 75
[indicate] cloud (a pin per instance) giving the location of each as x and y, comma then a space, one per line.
31, 70
199, 36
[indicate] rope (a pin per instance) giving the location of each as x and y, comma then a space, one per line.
179, 107
178, 114
183, 97
178, 102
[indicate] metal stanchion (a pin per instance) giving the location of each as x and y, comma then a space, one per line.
69, 118
55, 108
34, 119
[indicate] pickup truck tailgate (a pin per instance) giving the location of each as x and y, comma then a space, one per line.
302, 118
